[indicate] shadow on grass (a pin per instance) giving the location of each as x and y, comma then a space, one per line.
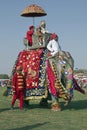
7, 109
41, 104
30, 106
4, 109
76, 105
30, 127
34, 106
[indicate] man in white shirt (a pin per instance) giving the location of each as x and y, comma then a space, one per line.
53, 44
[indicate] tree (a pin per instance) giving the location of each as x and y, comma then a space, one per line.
80, 71
4, 76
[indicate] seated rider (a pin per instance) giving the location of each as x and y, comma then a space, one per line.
39, 35
29, 35
43, 27
53, 45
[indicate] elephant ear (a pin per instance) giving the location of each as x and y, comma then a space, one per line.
70, 59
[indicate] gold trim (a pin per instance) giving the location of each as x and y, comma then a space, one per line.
20, 79
20, 87
20, 83
34, 97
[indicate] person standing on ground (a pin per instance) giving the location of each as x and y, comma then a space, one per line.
18, 85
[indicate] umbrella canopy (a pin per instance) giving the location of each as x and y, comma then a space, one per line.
33, 11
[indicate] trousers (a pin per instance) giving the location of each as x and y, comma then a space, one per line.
18, 95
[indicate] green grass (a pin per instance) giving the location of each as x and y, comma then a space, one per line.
73, 117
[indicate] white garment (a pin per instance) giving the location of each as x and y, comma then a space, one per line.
43, 30
53, 47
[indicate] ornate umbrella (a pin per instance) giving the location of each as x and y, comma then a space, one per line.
33, 11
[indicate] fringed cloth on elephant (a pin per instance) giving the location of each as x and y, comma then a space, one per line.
55, 86
33, 64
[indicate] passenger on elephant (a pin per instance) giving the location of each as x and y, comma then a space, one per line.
43, 27
29, 35
53, 45
55, 87
39, 35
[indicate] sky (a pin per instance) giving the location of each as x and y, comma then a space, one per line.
67, 18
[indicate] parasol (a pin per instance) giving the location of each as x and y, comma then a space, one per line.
33, 11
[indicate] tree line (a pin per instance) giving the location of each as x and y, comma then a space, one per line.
4, 76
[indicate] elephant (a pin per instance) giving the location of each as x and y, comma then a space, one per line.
46, 75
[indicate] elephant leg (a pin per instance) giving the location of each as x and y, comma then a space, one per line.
26, 103
55, 106
43, 102
55, 85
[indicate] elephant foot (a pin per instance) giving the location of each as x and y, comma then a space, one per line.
43, 102
55, 107
68, 101
26, 103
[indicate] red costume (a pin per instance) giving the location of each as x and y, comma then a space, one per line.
29, 35
18, 84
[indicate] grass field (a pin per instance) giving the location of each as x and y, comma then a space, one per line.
72, 117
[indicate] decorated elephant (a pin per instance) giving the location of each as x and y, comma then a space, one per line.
45, 76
